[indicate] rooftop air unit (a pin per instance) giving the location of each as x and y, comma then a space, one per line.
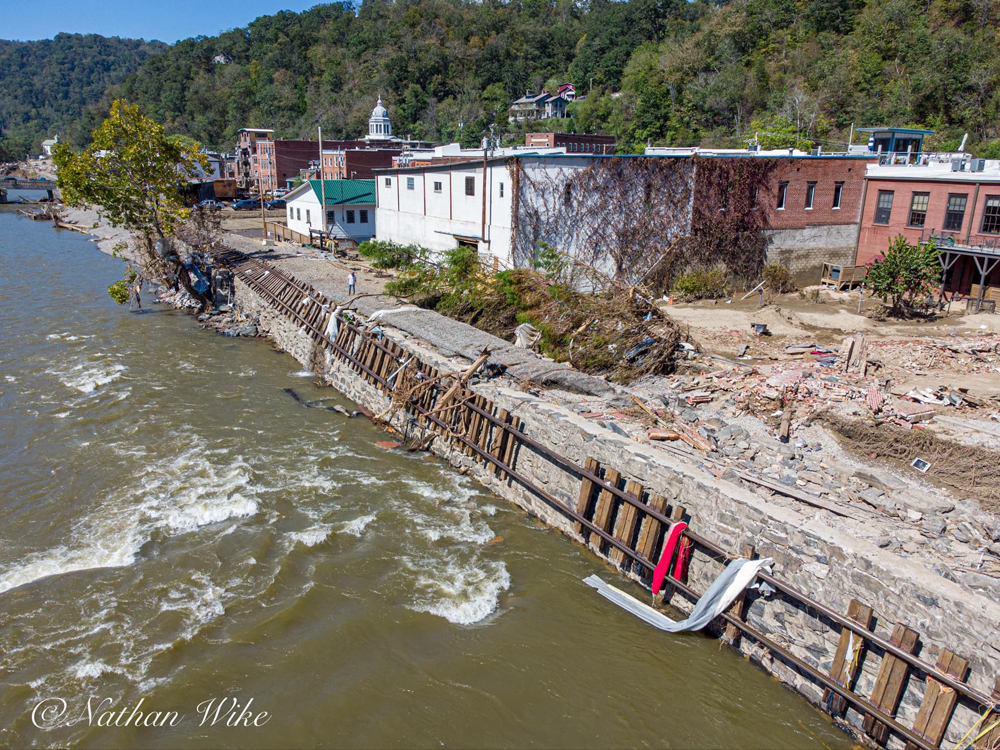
958, 165
977, 165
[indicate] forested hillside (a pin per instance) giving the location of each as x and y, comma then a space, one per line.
662, 71
46, 86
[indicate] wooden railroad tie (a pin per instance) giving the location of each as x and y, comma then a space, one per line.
584, 504
738, 608
602, 513
628, 517
850, 652
890, 683
500, 438
939, 700
650, 534
990, 739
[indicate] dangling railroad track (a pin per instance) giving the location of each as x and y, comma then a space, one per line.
629, 530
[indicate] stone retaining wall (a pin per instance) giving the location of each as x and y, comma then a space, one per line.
820, 561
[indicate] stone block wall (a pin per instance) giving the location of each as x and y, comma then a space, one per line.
819, 560
804, 250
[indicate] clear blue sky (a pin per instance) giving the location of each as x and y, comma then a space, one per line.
166, 20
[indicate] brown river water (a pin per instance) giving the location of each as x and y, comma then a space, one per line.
176, 530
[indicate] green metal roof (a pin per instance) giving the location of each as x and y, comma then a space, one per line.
345, 192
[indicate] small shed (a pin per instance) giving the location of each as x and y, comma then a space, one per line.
350, 208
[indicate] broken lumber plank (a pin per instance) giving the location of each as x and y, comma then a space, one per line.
847, 660
890, 683
939, 701
628, 518
586, 493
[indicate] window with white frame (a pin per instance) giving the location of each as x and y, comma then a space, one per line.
782, 194
810, 195
437, 187
838, 194
409, 183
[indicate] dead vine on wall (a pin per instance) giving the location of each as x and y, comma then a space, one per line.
617, 215
643, 220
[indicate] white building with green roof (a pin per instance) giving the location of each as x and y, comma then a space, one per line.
350, 208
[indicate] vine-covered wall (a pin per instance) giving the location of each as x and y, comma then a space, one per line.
644, 219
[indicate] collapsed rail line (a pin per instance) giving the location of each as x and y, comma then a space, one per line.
632, 530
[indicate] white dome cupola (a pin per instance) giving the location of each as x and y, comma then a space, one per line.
379, 126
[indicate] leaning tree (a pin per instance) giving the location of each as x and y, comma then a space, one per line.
132, 174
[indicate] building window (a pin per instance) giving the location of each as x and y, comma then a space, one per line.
955, 214
501, 190
883, 207
918, 209
991, 215
782, 192
350, 217
470, 185
409, 183
298, 214
331, 217
838, 193
388, 182
363, 215
810, 195
437, 187
308, 220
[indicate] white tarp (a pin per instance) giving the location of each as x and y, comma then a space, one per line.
737, 576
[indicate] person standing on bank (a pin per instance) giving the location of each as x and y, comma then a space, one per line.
352, 281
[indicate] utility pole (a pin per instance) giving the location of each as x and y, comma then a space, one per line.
322, 183
263, 217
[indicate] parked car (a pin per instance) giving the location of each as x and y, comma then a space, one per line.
247, 204
211, 204
279, 203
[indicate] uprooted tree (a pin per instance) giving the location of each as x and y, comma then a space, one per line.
132, 174
905, 274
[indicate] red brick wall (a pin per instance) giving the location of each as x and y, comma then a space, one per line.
874, 238
825, 171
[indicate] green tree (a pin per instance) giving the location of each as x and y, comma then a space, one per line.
905, 274
132, 174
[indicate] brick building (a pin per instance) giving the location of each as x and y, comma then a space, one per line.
815, 204
245, 165
280, 162
953, 199
574, 143
356, 163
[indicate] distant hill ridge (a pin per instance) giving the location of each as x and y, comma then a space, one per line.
662, 71
46, 87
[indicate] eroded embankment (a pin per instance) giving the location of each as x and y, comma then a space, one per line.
604, 489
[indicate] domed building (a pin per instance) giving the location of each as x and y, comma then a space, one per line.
379, 125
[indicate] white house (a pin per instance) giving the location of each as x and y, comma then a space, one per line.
350, 208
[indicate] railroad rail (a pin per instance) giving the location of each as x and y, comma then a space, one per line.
619, 521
